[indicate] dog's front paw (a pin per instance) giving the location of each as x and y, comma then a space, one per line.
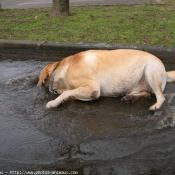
154, 107
51, 104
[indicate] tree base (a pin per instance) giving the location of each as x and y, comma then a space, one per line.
60, 8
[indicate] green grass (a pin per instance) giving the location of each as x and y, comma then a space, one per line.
128, 24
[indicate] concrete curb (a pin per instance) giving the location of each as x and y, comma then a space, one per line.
41, 50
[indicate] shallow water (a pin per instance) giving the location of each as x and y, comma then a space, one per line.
105, 136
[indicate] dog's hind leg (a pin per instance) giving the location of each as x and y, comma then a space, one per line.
159, 97
132, 97
140, 91
156, 78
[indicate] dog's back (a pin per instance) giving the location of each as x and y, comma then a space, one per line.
94, 73
116, 71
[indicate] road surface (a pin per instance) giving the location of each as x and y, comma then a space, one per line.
10, 4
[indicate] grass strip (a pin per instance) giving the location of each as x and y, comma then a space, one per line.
125, 24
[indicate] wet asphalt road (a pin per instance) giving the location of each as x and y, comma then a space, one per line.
101, 137
48, 3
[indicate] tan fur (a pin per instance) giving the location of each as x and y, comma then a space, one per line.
88, 75
46, 73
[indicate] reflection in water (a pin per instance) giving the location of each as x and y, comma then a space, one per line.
100, 137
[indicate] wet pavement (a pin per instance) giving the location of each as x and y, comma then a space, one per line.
91, 138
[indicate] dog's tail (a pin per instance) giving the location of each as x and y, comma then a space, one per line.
170, 76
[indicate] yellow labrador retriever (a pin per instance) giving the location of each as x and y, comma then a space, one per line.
90, 74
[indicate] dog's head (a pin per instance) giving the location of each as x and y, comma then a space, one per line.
46, 74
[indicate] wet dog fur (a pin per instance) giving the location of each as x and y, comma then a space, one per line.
90, 74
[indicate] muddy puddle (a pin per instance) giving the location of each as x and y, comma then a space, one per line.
91, 138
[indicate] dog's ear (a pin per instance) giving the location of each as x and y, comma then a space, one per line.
43, 77
46, 73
